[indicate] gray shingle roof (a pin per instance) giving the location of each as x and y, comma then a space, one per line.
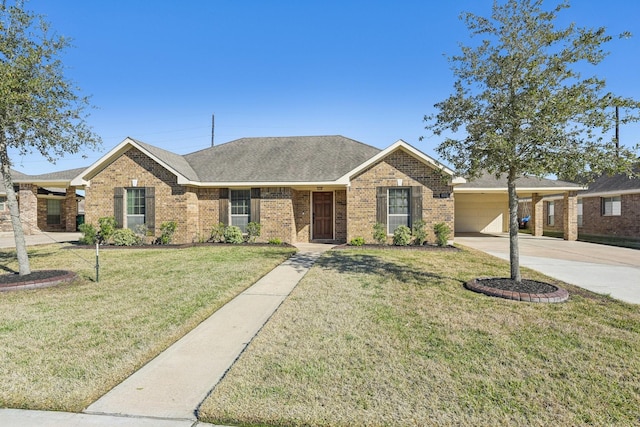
175, 161
490, 181
609, 184
280, 159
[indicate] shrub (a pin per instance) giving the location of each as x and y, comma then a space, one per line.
167, 229
253, 231
275, 241
357, 241
442, 232
419, 232
402, 235
107, 228
379, 233
89, 234
233, 234
142, 231
217, 233
125, 237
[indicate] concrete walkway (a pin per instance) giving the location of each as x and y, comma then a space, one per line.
7, 240
599, 268
168, 390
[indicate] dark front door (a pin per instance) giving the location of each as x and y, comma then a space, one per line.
323, 215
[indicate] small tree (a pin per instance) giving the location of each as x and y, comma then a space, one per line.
253, 231
524, 106
442, 232
39, 108
379, 233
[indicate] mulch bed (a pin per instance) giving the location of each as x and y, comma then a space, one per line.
526, 290
36, 279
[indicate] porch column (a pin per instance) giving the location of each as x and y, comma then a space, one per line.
537, 215
28, 203
70, 210
570, 216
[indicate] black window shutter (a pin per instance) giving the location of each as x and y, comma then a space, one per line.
255, 205
381, 205
150, 208
415, 211
224, 206
118, 206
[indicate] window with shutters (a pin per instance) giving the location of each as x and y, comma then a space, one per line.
398, 208
240, 208
136, 207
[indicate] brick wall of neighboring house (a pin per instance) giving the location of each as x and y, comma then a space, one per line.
68, 213
625, 225
172, 201
28, 202
5, 217
558, 225
361, 195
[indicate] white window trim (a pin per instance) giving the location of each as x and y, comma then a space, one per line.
231, 214
551, 213
408, 215
614, 211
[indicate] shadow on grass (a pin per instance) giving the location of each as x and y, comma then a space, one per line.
8, 256
370, 264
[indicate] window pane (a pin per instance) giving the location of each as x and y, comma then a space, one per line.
53, 211
399, 201
240, 208
135, 207
397, 220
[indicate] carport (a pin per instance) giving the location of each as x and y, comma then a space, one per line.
482, 204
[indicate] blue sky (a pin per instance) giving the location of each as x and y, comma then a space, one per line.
368, 70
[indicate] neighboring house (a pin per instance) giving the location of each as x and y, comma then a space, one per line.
610, 207
482, 205
47, 202
300, 189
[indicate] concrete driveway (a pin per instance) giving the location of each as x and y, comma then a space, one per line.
7, 239
599, 268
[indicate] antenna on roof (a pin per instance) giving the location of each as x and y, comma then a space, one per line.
213, 127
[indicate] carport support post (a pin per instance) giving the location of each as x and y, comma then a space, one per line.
537, 215
570, 216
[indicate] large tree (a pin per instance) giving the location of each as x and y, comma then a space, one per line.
40, 110
523, 107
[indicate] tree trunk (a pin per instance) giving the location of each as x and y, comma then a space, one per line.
14, 210
514, 251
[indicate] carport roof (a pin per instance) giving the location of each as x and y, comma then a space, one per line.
488, 183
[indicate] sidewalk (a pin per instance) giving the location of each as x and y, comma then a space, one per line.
168, 390
8, 241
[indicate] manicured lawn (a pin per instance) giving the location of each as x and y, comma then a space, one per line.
391, 338
61, 348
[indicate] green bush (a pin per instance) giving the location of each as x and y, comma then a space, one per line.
167, 229
253, 231
125, 237
89, 234
275, 241
419, 232
402, 236
107, 228
442, 232
217, 233
357, 241
380, 233
233, 234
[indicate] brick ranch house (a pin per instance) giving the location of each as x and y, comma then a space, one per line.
610, 207
47, 202
300, 189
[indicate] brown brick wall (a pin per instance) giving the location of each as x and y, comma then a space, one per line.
558, 214
361, 195
171, 200
276, 214
625, 225
28, 202
340, 197
302, 215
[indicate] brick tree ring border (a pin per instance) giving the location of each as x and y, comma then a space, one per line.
477, 285
38, 279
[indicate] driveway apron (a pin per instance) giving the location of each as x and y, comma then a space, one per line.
599, 268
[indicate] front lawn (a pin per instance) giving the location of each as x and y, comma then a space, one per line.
391, 338
62, 348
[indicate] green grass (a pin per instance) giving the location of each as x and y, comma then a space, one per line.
61, 348
391, 338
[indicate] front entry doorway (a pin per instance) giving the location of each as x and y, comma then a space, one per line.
323, 215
